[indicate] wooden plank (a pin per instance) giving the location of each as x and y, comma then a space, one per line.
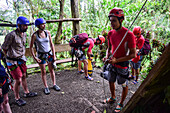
57, 62
62, 48
58, 48
155, 83
11, 25
47, 21
63, 20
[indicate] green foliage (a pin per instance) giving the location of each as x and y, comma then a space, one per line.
154, 18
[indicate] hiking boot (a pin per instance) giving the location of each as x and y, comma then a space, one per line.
46, 91
20, 102
57, 88
30, 94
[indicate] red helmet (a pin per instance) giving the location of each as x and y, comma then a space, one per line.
101, 39
137, 31
116, 12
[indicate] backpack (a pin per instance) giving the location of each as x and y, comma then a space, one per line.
77, 40
146, 47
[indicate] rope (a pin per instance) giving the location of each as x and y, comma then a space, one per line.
122, 41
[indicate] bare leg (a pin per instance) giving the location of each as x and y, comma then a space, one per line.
16, 88
124, 94
43, 74
112, 89
85, 67
52, 73
6, 106
137, 74
79, 65
133, 72
24, 83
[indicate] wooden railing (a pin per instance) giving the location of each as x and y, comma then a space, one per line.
58, 48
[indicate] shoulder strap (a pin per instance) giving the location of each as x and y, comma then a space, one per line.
44, 32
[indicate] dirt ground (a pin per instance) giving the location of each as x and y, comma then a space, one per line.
77, 95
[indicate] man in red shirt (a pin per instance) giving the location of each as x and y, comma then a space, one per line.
136, 62
118, 64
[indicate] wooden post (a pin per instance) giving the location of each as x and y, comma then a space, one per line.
75, 14
154, 84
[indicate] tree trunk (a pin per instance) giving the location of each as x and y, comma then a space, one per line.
59, 31
75, 14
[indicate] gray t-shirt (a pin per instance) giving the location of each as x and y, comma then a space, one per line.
15, 45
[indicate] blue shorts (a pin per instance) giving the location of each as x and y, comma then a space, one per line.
135, 65
83, 57
118, 74
43, 61
138, 64
5, 90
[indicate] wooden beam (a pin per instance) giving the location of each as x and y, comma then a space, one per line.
48, 21
11, 25
62, 47
64, 20
154, 84
57, 62
58, 48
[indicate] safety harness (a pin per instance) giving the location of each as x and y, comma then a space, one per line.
8, 74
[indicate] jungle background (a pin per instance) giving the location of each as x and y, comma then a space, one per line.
154, 19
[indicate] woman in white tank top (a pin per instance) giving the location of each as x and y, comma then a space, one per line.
46, 52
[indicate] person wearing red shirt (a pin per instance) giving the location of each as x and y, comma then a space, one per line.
118, 64
136, 62
80, 53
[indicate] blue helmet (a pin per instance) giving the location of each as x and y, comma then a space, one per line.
39, 21
22, 20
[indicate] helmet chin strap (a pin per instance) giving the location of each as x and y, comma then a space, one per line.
119, 26
21, 29
40, 28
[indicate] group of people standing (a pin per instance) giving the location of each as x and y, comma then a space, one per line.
14, 49
127, 53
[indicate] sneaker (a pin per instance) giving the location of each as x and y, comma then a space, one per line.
135, 82
30, 94
131, 77
57, 88
46, 91
81, 71
20, 102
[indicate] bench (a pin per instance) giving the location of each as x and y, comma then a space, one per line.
58, 48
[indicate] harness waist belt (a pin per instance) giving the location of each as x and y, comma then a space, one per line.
44, 52
14, 59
